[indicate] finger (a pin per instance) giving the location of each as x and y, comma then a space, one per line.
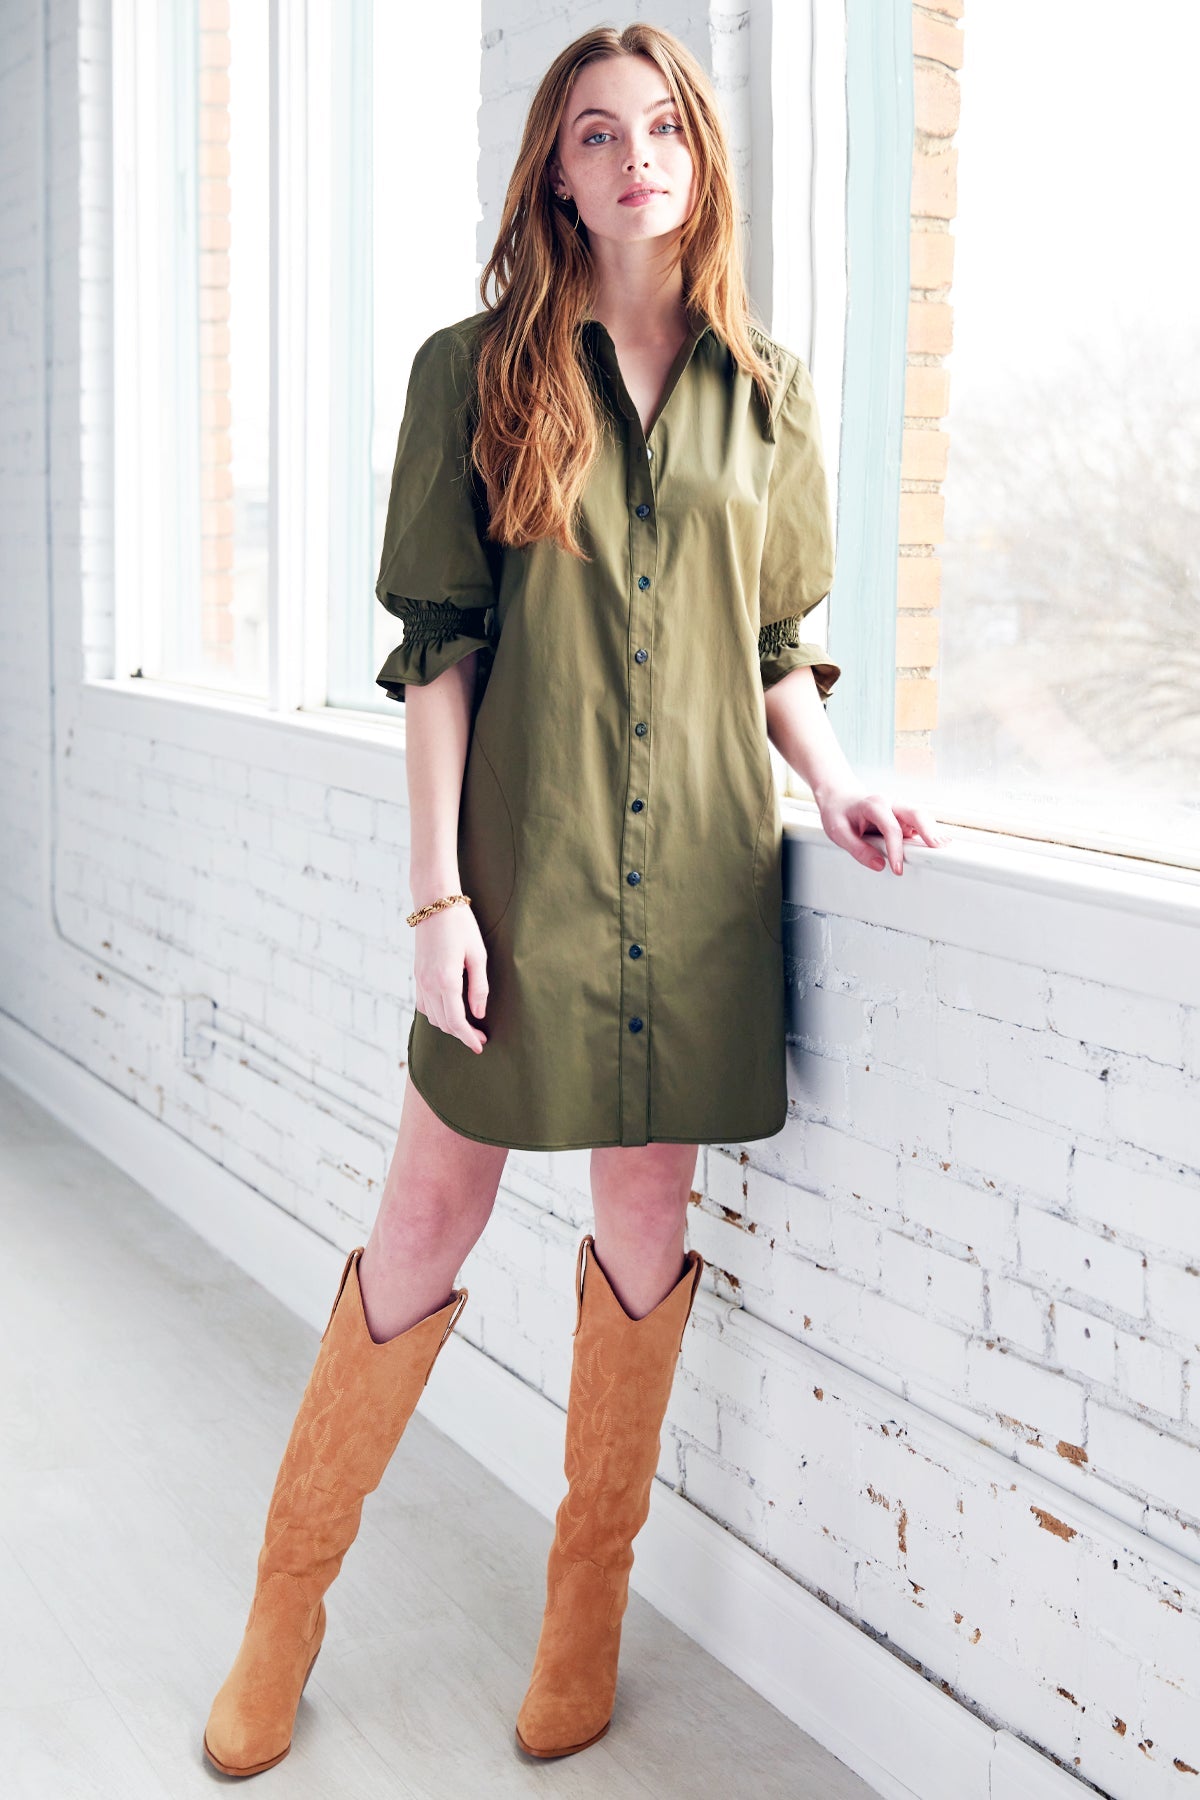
929, 828
477, 982
919, 823
889, 830
456, 1023
844, 834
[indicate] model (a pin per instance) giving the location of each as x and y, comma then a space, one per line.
609, 515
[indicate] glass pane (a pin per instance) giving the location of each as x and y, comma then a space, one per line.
214, 618
1069, 700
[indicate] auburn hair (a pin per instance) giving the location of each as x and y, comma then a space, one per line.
537, 427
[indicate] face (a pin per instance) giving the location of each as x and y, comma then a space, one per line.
621, 131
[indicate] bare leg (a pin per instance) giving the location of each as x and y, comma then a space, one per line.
437, 1198
640, 1199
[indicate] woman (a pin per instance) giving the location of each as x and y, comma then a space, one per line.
608, 515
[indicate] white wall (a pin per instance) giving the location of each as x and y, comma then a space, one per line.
945, 1375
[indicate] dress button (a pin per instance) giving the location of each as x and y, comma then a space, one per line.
643, 581
635, 950
633, 878
640, 655
637, 806
635, 1024
649, 453
640, 730
642, 510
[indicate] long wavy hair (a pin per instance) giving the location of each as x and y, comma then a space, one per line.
537, 426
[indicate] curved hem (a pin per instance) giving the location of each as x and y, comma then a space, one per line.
587, 1143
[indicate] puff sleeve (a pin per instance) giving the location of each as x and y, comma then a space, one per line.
436, 574
798, 548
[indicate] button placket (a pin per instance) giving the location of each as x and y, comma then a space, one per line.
635, 941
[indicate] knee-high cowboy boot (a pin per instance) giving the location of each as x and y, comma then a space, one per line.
359, 1398
621, 1375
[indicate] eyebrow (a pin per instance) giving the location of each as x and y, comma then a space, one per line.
601, 113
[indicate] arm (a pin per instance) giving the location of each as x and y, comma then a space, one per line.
803, 736
437, 734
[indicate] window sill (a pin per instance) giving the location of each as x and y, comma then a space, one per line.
1126, 923
348, 748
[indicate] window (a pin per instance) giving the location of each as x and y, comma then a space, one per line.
295, 210
1069, 690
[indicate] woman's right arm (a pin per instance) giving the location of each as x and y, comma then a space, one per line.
437, 735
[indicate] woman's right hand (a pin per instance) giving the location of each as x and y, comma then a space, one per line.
448, 942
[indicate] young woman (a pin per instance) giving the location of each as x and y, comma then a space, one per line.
608, 516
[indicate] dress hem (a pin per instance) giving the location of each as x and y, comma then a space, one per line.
589, 1143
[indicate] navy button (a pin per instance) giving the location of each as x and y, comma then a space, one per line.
640, 730
635, 1024
633, 878
637, 806
640, 655
642, 510
635, 950
643, 581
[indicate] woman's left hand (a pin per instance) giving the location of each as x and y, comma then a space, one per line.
847, 813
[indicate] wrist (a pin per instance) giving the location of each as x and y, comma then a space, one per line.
435, 884
824, 789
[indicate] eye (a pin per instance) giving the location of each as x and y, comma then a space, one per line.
670, 125
595, 134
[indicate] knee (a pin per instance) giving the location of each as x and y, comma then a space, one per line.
651, 1181
426, 1207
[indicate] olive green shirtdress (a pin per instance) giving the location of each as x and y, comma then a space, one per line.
619, 832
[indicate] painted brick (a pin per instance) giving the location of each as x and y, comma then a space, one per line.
1156, 1208
1116, 1019
1009, 1154
1138, 1457
930, 1280
1157, 1111
1018, 1315
1002, 1382
1068, 1256
878, 963
993, 986
981, 1218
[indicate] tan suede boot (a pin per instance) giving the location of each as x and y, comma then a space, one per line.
621, 1376
359, 1398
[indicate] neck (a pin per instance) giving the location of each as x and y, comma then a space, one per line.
636, 300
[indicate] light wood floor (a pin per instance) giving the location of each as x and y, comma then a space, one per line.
147, 1388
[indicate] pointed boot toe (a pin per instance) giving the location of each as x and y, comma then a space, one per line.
569, 1701
249, 1728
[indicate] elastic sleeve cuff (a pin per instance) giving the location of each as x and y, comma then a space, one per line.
781, 650
437, 634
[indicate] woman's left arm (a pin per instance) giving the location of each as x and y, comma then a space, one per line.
801, 732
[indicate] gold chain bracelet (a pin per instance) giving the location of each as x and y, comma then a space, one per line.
423, 912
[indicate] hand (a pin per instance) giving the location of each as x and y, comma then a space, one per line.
846, 814
447, 942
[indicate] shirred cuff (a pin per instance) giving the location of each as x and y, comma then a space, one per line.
781, 650
437, 634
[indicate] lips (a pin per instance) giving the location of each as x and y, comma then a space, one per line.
641, 193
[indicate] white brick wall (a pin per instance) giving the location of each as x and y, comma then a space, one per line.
946, 1368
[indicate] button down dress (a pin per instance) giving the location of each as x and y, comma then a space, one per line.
619, 830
